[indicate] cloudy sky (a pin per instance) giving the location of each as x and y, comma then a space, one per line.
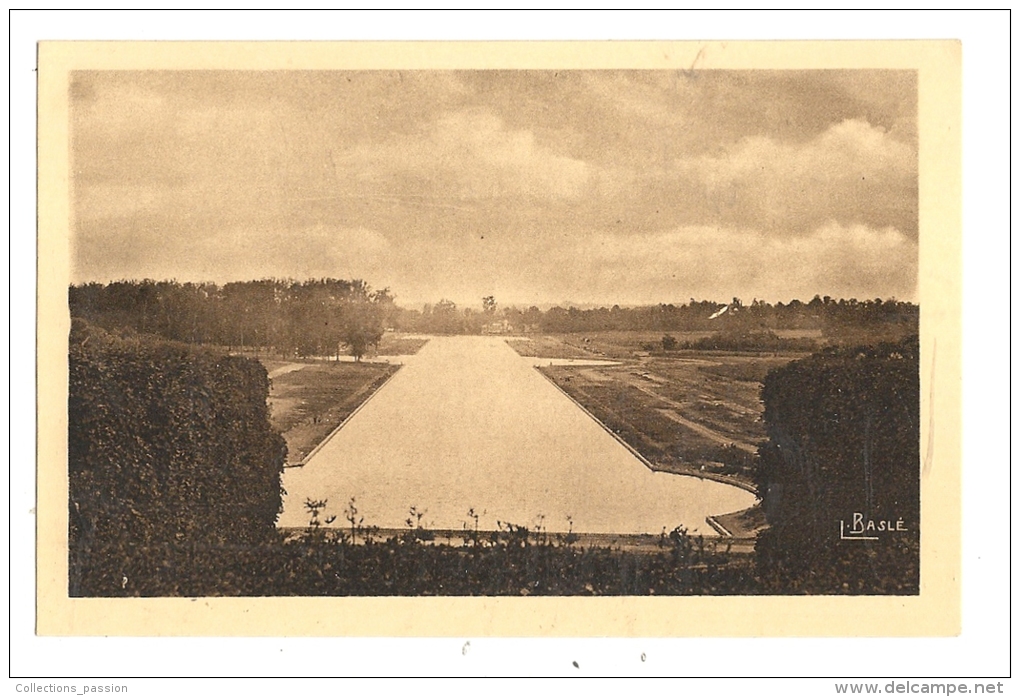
534, 186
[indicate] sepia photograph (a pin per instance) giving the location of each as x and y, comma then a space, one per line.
513, 323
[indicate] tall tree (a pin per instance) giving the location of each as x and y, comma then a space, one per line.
362, 326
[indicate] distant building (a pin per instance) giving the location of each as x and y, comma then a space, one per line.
499, 326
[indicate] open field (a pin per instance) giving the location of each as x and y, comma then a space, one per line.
307, 403
623, 344
686, 412
272, 365
392, 344
632, 344
541, 346
399, 344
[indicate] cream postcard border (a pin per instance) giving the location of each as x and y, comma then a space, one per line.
935, 612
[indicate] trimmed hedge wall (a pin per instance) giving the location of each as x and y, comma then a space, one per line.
166, 445
844, 438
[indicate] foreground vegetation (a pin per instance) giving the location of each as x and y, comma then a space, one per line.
174, 470
514, 561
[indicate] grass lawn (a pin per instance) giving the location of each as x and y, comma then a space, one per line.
542, 346
307, 404
399, 344
689, 412
625, 344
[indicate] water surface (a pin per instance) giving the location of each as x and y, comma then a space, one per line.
465, 424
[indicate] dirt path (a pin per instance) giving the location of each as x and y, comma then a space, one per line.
289, 368
705, 431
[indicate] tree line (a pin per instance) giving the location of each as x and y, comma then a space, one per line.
835, 318
820, 313
309, 318
318, 317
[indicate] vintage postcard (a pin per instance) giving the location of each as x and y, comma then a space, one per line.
505, 339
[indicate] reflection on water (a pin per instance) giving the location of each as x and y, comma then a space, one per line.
468, 424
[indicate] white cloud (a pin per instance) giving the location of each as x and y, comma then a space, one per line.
639, 99
472, 155
705, 262
320, 250
377, 178
853, 172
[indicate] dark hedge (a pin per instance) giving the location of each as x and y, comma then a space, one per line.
167, 445
844, 432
